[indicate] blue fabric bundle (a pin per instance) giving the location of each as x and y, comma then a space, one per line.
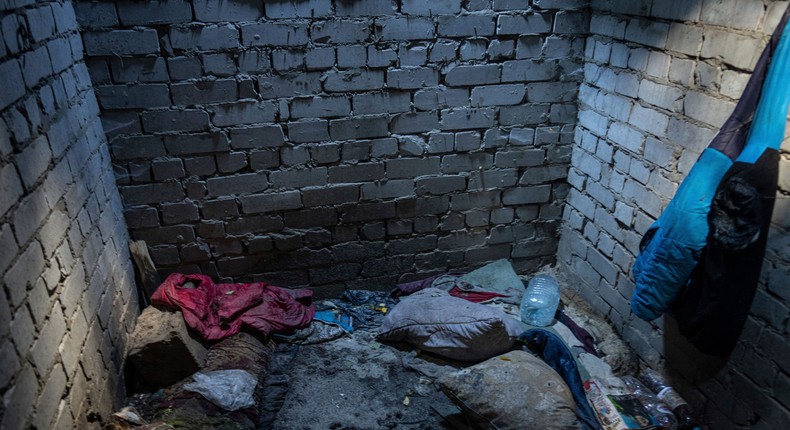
673, 246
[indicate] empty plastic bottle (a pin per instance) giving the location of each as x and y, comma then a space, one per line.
540, 301
656, 383
658, 409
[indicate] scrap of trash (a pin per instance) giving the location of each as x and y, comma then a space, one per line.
504, 350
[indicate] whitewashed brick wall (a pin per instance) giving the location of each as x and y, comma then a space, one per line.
67, 301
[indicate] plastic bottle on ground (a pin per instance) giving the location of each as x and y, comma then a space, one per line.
540, 301
658, 409
656, 383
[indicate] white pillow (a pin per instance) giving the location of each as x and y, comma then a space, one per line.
434, 321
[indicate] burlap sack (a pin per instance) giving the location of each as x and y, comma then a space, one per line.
512, 391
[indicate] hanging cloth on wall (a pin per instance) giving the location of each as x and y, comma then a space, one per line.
673, 245
712, 309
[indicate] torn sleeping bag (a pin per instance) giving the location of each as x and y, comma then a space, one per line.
217, 311
672, 247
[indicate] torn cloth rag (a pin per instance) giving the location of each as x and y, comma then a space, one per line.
216, 311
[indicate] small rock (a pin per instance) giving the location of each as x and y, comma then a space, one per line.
162, 351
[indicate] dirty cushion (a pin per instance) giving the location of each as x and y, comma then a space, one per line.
512, 391
454, 328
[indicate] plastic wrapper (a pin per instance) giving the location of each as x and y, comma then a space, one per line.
229, 389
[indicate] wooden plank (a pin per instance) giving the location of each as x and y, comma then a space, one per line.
146, 270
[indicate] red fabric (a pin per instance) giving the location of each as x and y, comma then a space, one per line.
474, 296
217, 311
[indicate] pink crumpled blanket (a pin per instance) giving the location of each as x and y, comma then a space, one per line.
216, 311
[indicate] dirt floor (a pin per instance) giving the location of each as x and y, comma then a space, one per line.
355, 382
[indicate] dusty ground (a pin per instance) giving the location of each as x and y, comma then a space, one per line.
355, 383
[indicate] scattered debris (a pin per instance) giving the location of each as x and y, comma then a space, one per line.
317, 332
230, 389
182, 408
361, 306
335, 365
126, 419
337, 318
611, 347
